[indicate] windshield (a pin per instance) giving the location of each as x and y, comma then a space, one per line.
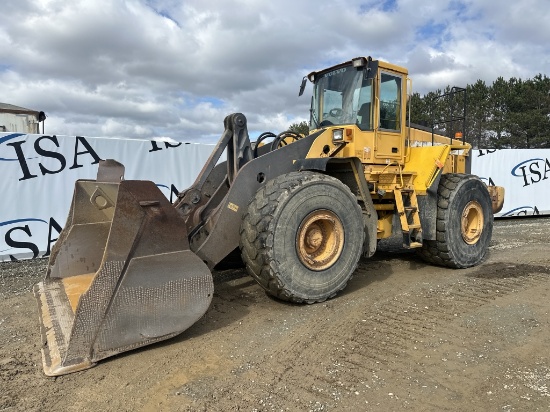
342, 96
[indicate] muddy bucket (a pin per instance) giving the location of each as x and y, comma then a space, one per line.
120, 276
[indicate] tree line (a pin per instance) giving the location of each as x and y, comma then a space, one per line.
513, 114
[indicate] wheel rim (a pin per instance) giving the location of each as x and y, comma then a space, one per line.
320, 240
472, 222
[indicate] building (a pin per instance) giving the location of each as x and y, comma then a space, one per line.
20, 120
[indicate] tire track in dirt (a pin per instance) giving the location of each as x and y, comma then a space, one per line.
351, 350
326, 356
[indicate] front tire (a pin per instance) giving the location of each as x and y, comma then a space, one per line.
464, 223
302, 237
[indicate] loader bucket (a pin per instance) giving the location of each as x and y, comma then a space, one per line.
120, 276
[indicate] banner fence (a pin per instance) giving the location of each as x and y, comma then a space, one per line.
39, 171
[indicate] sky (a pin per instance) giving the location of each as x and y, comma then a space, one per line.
176, 68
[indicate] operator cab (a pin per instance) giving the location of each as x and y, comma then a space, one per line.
365, 93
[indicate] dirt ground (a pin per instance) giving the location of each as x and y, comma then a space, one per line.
402, 336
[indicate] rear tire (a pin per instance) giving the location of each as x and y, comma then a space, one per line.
302, 237
464, 223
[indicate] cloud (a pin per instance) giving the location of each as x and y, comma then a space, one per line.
146, 68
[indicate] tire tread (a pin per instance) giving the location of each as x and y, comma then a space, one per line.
438, 251
256, 233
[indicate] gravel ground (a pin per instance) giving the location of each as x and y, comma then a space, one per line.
402, 336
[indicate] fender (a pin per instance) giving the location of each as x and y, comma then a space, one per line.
349, 171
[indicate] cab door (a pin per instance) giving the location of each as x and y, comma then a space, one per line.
389, 140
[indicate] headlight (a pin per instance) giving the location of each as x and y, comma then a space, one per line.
338, 135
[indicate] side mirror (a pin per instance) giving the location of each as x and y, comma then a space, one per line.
302, 86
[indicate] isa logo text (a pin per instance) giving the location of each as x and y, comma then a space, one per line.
532, 171
28, 236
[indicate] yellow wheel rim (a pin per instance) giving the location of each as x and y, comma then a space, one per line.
472, 222
320, 240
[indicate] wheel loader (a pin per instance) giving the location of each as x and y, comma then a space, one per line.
130, 268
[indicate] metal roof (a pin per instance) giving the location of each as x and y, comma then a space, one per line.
10, 108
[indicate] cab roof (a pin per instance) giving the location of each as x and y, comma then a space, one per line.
381, 64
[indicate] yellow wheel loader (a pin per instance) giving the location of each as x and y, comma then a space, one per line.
130, 269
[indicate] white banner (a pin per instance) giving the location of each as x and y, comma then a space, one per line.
39, 174
525, 175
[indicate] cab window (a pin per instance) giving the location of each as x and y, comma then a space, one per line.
363, 105
390, 102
